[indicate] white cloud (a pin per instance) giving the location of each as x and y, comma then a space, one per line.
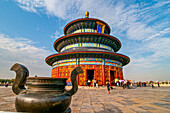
149, 60
21, 50
30, 5
30, 9
61, 9
160, 47
130, 19
150, 53
166, 30
57, 35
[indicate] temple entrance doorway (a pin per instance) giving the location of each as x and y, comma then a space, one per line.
90, 75
112, 77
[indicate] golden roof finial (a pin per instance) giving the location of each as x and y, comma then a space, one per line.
86, 14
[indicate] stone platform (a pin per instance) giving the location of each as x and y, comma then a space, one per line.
97, 100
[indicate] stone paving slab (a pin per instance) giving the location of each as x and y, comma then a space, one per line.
97, 100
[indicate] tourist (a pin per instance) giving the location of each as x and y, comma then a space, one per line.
144, 84
94, 82
108, 86
127, 84
140, 84
152, 85
118, 83
86, 82
115, 83
121, 83
7, 83
158, 84
124, 85
97, 84
89, 82
137, 84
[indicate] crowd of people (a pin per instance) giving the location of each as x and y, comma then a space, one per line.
92, 83
121, 83
6, 84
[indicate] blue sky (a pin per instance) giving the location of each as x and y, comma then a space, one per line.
28, 29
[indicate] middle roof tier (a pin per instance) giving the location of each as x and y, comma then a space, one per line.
97, 38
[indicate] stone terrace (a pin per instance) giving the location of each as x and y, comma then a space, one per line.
97, 100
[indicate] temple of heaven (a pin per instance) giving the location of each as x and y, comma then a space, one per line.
87, 43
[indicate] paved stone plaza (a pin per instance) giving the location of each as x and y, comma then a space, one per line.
96, 100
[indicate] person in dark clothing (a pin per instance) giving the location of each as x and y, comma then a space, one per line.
6, 85
94, 82
152, 85
86, 82
158, 84
108, 86
127, 84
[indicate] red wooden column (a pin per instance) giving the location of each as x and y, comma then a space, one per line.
57, 74
94, 72
103, 76
120, 73
116, 73
78, 76
85, 72
95, 75
55, 71
103, 73
52, 73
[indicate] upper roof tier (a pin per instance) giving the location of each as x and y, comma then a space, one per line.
99, 38
85, 23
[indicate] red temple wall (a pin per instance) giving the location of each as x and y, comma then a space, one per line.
65, 72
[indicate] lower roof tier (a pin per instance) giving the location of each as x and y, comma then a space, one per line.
87, 61
87, 54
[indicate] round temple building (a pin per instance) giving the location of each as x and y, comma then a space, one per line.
87, 43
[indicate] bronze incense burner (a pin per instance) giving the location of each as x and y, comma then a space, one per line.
44, 94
